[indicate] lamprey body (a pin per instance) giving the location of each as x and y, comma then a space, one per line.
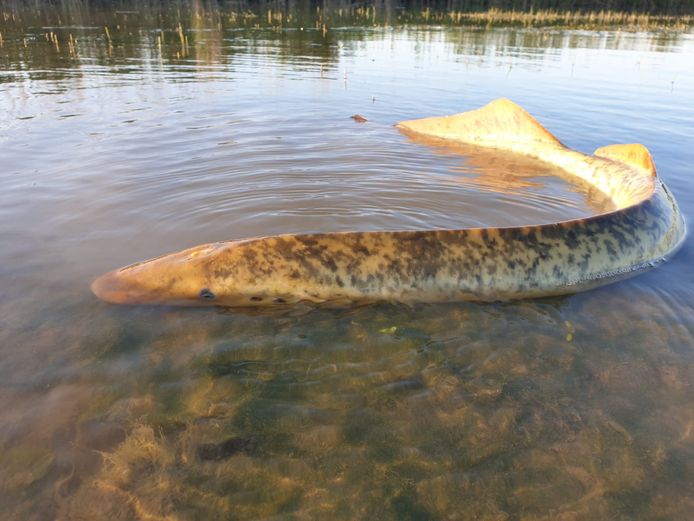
485, 264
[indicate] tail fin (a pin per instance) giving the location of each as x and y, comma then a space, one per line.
497, 124
633, 154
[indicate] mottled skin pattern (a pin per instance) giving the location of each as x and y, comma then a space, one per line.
435, 265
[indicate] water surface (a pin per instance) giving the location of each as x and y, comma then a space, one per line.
118, 148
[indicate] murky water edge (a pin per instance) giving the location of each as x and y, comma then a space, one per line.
577, 407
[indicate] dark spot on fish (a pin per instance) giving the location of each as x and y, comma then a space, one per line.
257, 299
513, 234
572, 240
330, 264
226, 448
610, 248
279, 300
584, 263
207, 294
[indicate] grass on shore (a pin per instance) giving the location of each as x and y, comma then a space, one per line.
493, 17
575, 19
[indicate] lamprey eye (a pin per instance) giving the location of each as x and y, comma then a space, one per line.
206, 294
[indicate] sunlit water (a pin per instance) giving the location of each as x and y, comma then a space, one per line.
578, 407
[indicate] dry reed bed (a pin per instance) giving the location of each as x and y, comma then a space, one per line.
323, 19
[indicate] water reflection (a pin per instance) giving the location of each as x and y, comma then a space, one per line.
510, 174
43, 45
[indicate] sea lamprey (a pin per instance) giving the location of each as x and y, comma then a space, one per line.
644, 228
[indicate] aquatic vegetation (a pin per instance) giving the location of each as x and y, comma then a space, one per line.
442, 420
22, 466
583, 19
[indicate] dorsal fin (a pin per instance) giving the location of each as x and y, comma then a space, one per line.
633, 154
496, 124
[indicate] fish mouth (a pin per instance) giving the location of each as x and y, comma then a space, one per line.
113, 287
116, 287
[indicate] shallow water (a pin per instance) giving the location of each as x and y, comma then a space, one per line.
577, 407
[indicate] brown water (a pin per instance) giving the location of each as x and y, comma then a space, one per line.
567, 408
